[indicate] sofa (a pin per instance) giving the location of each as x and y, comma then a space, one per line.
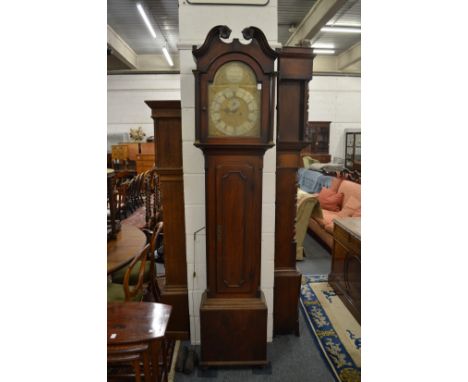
322, 227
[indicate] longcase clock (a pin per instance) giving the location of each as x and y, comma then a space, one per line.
234, 97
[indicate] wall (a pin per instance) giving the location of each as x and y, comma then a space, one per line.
126, 96
336, 99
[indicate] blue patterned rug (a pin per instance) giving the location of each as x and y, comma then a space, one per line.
335, 330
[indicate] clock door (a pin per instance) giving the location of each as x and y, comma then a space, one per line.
236, 227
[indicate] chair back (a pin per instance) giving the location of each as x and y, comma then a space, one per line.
308, 160
155, 238
132, 291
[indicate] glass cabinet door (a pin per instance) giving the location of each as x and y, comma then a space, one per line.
353, 151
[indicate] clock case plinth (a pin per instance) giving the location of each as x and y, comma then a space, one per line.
233, 310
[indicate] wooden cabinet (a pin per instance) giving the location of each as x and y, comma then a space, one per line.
144, 162
345, 276
318, 134
353, 151
141, 155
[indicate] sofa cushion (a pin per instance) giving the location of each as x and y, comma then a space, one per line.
357, 213
349, 189
330, 200
349, 207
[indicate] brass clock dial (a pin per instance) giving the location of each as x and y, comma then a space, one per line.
233, 98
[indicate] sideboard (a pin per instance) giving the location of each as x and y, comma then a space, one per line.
345, 276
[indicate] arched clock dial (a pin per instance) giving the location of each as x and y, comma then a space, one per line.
233, 108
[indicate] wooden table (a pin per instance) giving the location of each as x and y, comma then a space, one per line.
140, 322
120, 251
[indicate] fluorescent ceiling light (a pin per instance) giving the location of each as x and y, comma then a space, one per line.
324, 51
146, 20
341, 30
323, 46
167, 56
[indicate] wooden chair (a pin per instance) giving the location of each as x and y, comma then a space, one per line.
127, 291
131, 355
153, 209
155, 241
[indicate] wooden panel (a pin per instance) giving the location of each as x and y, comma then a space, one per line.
144, 162
285, 216
147, 148
233, 194
289, 111
233, 331
234, 188
119, 152
295, 71
345, 275
168, 133
133, 150
286, 304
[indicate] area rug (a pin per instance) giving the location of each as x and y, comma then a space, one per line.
336, 331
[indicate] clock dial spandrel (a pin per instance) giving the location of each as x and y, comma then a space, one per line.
234, 102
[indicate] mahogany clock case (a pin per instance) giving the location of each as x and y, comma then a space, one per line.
233, 312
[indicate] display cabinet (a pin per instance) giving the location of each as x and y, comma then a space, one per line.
318, 135
353, 150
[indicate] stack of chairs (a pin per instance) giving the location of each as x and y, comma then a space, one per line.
152, 200
131, 194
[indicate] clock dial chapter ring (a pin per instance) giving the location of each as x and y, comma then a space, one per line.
233, 111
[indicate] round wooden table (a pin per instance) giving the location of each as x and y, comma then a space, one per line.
141, 322
128, 244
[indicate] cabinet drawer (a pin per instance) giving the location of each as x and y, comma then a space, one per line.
347, 239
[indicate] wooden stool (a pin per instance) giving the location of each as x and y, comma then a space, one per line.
130, 354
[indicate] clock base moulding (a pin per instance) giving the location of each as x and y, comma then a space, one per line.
233, 331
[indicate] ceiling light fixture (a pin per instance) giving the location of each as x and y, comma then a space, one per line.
319, 45
146, 20
341, 30
167, 56
324, 51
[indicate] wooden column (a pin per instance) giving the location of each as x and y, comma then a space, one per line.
294, 74
168, 138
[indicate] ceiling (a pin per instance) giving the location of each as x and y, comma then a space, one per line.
124, 19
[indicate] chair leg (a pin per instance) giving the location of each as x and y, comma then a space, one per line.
155, 349
146, 367
136, 366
